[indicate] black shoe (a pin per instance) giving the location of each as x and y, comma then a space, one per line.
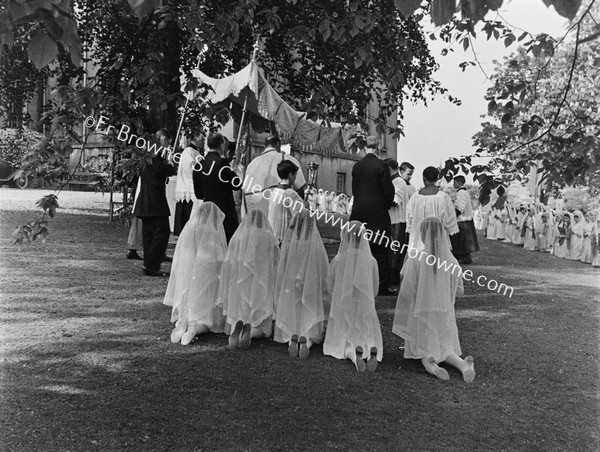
387, 293
132, 254
167, 258
150, 272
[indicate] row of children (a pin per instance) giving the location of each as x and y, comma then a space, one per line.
572, 236
254, 288
326, 201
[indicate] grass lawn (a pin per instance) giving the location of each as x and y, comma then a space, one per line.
87, 364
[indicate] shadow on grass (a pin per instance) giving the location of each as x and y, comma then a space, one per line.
87, 365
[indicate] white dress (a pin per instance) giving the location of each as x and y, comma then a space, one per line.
247, 280
529, 239
282, 204
586, 250
194, 282
353, 284
425, 316
596, 243
321, 201
576, 237
301, 293
496, 222
560, 242
516, 238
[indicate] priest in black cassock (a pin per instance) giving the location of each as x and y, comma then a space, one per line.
215, 181
373, 193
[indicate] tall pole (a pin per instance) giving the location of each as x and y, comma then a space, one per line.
187, 101
241, 127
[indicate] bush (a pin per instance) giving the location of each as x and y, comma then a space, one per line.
15, 143
580, 199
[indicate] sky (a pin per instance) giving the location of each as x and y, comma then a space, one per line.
442, 130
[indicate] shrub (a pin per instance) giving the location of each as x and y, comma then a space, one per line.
15, 143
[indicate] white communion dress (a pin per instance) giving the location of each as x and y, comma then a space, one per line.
353, 282
301, 293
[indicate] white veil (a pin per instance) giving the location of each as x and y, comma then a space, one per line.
353, 283
199, 254
301, 286
248, 274
425, 315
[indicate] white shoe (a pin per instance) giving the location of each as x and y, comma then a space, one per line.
432, 367
469, 374
190, 334
180, 328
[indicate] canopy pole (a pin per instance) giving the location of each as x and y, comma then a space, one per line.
241, 127
187, 101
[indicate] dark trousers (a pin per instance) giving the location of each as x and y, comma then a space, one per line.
183, 210
155, 232
381, 255
397, 257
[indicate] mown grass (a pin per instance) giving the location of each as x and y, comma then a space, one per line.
87, 363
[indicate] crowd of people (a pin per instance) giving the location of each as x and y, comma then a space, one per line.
536, 227
254, 266
250, 262
325, 201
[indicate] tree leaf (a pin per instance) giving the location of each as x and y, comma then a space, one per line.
566, 8
442, 11
509, 40
494, 4
407, 7
357, 61
142, 8
42, 50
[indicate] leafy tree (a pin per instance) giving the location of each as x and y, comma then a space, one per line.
546, 111
19, 79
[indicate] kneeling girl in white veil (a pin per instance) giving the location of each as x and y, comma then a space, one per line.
194, 281
353, 327
301, 286
425, 316
247, 280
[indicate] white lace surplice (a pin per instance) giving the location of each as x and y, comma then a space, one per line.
420, 207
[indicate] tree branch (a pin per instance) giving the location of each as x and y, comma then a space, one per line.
564, 99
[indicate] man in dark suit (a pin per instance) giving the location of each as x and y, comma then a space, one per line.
153, 209
215, 181
373, 193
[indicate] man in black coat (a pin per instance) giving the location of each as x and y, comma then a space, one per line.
373, 193
215, 181
153, 209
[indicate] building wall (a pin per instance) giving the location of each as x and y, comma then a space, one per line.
329, 169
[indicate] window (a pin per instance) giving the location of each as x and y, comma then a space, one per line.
341, 183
